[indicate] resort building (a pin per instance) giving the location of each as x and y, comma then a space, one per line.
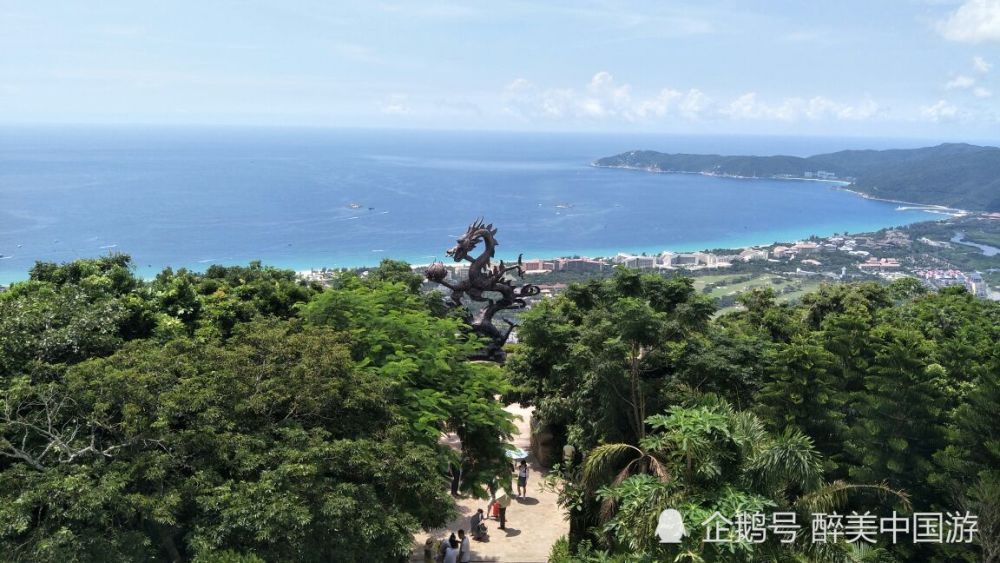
635, 261
692, 259
942, 278
752, 254
579, 265
538, 266
975, 284
804, 248
879, 264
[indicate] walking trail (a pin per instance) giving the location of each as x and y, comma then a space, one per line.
534, 523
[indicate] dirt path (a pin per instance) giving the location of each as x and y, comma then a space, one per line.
533, 523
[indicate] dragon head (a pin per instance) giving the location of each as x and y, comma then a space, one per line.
472, 237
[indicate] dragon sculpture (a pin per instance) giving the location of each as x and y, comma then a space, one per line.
486, 283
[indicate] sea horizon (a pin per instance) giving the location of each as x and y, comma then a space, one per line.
304, 200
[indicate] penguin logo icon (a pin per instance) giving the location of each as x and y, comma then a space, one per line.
670, 527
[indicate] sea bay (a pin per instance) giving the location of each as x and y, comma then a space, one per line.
304, 198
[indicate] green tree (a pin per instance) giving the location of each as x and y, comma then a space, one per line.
802, 391
263, 445
900, 421
394, 335
595, 359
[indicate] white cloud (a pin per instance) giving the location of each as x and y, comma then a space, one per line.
693, 104
981, 65
688, 105
865, 110
960, 82
816, 108
601, 98
981, 92
748, 107
605, 99
659, 105
518, 86
396, 104
975, 21
940, 111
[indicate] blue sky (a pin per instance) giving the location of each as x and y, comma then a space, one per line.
926, 68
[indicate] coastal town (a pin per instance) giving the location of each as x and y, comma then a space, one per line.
793, 267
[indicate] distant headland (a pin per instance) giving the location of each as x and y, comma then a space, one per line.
954, 175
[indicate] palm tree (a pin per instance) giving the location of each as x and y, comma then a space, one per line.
698, 455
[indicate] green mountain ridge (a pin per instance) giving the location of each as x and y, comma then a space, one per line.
954, 175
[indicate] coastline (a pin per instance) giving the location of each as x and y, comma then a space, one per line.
842, 185
929, 207
712, 175
743, 240
309, 264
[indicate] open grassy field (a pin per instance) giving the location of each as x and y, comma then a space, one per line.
725, 287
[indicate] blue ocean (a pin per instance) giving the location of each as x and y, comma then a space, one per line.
308, 198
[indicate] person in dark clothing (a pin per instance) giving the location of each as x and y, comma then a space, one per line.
477, 528
456, 478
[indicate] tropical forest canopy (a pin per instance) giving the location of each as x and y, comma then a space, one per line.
243, 415
235, 415
863, 397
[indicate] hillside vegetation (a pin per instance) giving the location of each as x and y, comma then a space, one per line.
240, 415
861, 398
954, 175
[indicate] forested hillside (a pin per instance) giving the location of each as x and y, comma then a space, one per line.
863, 397
241, 415
954, 175
236, 415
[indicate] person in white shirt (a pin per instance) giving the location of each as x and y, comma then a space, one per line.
522, 479
465, 549
451, 551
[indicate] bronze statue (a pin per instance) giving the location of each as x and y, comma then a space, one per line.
484, 278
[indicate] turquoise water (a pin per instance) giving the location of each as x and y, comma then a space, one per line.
309, 198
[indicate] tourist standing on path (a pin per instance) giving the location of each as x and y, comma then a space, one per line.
503, 501
522, 479
445, 545
456, 478
451, 550
465, 548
